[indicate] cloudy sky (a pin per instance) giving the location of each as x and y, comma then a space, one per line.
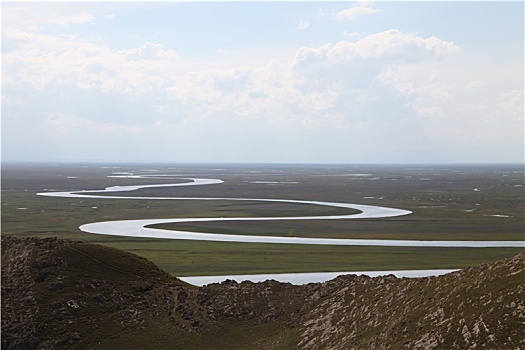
299, 82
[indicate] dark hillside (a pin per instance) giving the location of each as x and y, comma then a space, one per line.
71, 295
479, 307
66, 294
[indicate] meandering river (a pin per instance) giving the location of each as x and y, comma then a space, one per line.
137, 228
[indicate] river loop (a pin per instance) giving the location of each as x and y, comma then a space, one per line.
137, 228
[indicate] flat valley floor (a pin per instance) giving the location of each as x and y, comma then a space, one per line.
448, 202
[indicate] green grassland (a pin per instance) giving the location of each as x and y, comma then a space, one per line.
448, 203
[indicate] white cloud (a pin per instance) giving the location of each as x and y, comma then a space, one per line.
433, 112
320, 87
511, 106
475, 84
306, 90
13, 100
348, 66
303, 24
35, 17
363, 8
151, 52
394, 86
351, 35
77, 18
268, 91
40, 60
463, 105
392, 44
353, 12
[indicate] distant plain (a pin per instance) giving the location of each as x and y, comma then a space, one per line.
449, 202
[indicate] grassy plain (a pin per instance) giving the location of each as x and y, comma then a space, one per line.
448, 203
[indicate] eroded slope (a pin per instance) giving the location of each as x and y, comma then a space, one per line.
64, 294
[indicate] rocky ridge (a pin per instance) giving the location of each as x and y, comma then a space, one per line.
65, 294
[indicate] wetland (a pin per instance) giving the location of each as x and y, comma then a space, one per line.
452, 203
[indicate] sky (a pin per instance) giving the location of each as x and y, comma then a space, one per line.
263, 82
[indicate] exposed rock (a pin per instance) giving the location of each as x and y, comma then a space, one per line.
64, 294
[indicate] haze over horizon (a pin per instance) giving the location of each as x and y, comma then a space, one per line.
263, 82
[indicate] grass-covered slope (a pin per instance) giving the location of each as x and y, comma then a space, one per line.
64, 294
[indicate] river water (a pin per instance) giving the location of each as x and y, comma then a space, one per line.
137, 228
310, 277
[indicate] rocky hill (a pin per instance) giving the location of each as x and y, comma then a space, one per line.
59, 294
